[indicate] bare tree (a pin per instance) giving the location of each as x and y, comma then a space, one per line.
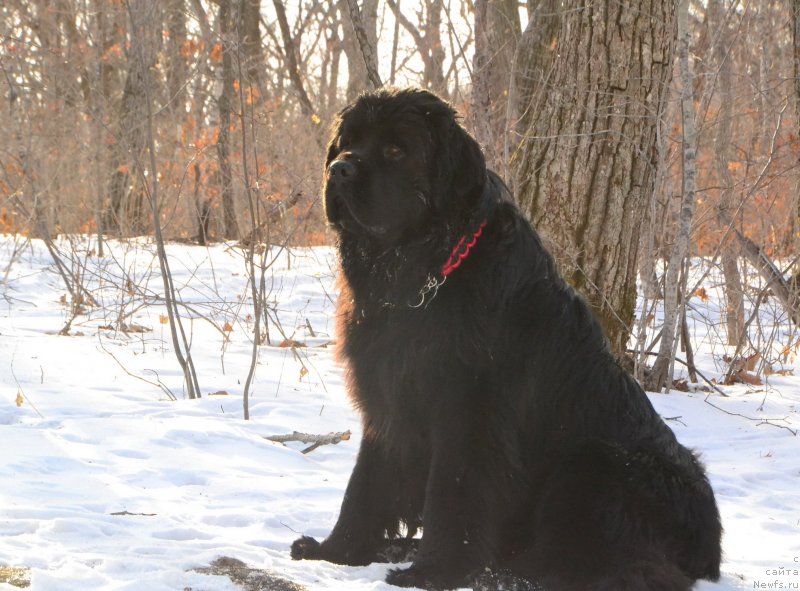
796, 70
723, 60
225, 105
366, 39
496, 33
292, 59
428, 42
532, 67
584, 170
142, 15
126, 193
249, 25
673, 302
178, 70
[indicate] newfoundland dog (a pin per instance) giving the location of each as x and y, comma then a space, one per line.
496, 422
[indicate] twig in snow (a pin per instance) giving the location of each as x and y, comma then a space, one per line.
159, 385
761, 421
315, 440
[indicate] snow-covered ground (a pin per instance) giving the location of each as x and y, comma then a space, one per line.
106, 482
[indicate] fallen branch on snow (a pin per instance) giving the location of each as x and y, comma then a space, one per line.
315, 440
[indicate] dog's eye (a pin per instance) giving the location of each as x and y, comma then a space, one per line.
343, 141
393, 152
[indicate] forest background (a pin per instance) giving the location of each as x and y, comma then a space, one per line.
635, 135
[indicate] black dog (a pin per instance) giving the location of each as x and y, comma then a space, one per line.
494, 417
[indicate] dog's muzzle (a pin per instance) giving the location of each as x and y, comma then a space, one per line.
339, 188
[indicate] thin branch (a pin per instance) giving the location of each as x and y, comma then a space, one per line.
182, 345
158, 385
290, 54
315, 440
367, 50
761, 421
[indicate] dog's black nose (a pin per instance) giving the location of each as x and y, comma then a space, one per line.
341, 170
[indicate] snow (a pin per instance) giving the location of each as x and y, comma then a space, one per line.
106, 482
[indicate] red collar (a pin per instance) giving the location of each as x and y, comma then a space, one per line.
457, 256
461, 251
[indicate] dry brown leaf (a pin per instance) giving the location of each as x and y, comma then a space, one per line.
680, 385
287, 343
227, 327
20, 400
771, 371
748, 378
751, 361
701, 293
163, 319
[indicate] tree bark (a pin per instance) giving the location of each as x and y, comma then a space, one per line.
533, 64
782, 289
127, 207
592, 87
796, 47
357, 75
496, 31
252, 53
177, 74
660, 375
225, 107
366, 43
481, 83
734, 296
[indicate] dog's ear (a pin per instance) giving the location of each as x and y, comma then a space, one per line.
460, 168
332, 149
468, 166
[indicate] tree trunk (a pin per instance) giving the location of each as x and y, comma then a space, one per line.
505, 32
331, 100
481, 93
395, 42
249, 30
734, 296
584, 169
533, 64
292, 59
796, 47
661, 374
225, 107
357, 74
366, 41
178, 72
496, 31
433, 52
127, 208
782, 289
429, 43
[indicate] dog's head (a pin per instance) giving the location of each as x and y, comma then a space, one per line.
399, 161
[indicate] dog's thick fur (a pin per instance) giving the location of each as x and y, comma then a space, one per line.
494, 417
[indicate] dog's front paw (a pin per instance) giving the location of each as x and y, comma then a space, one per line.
332, 550
305, 548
